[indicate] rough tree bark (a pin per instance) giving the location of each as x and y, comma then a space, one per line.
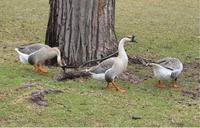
83, 29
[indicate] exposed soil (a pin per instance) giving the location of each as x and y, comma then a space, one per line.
38, 96
194, 94
130, 77
191, 71
29, 84
71, 75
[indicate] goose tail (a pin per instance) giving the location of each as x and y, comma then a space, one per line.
23, 57
152, 64
155, 65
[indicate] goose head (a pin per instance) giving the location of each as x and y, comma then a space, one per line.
60, 60
131, 39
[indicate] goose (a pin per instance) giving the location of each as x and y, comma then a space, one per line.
168, 69
110, 68
37, 54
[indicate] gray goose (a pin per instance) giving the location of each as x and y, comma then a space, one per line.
167, 68
37, 54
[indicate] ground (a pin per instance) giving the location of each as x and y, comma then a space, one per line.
162, 28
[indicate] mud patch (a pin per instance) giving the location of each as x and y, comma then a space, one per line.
38, 98
71, 75
29, 85
191, 71
132, 78
194, 94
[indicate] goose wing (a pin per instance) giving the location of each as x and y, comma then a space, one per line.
103, 66
170, 63
32, 48
39, 56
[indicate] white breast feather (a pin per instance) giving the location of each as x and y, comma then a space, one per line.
119, 66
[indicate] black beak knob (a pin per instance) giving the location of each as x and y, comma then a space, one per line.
63, 68
133, 39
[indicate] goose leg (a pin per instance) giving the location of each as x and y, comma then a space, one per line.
174, 85
42, 69
118, 88
36, 68
158, 85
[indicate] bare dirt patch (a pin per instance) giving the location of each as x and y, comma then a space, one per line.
194, 94
191, 71
38, 98
29, 85
130, 77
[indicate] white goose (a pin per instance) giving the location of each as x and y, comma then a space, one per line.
112, 67
167, 69
37, 54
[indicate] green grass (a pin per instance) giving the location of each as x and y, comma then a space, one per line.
162, 28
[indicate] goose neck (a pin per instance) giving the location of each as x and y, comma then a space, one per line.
58, 54
121, 49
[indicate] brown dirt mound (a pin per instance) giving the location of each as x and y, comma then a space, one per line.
38, 96
29, 84
194, 94
130, 77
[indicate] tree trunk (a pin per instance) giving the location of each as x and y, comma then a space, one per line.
83, 29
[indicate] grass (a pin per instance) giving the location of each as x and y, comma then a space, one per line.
162, 28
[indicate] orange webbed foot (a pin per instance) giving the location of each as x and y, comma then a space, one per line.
118, 88
122, 91
174, 85
42, 69
159, 85
36, 68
